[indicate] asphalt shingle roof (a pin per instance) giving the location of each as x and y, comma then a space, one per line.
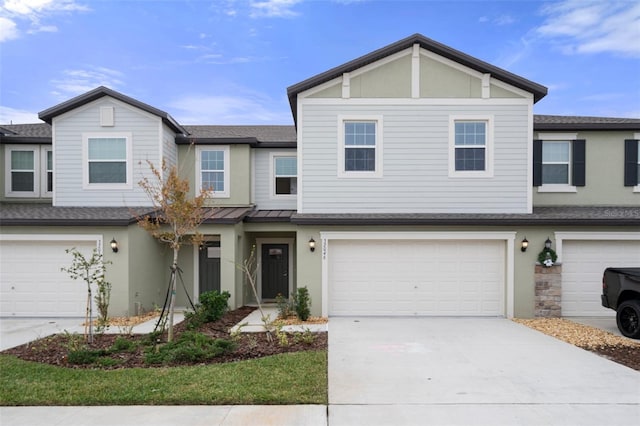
560, 215
45, 214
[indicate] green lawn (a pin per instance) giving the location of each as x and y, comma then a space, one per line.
294, 378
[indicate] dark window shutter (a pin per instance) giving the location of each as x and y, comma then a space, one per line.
537, 162
578, 155
631, 162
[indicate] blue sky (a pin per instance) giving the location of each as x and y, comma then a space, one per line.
230, 62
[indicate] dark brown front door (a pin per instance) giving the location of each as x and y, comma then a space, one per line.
275, 271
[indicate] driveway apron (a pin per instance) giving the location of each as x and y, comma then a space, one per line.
470, 371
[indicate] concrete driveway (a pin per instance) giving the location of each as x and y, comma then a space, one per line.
18, 331
470, 371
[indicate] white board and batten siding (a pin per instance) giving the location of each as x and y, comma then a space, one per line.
415, 169
147, 139
584, 257
263, 190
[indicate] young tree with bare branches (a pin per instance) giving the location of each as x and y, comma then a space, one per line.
176, 218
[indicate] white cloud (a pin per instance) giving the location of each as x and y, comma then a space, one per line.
77, 81
593, 26
10, 115
245, 108
26, 16
273, 9
8, 29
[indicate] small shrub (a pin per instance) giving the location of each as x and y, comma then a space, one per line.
283, 337
74, 341
214, 304
189, 347
212, 307
84, 356
302, 303
122, 344
285, 307
306, 337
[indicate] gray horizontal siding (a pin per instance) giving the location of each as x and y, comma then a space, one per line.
415, 163
68, 133
262, 177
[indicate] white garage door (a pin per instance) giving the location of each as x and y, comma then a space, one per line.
416, 277
32, 284
583, 263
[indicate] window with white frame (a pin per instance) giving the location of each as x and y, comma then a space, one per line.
285, 172
556, 162
29, 171
638, 171
213, 170
360, 148
48, 178
108, 163
470, 147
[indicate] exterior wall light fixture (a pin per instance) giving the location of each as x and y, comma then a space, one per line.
114, 245
312, 245
547, 244
524, 245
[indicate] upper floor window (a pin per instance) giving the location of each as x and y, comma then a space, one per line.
470, 147
360, 150
107, 161
559, 165
213, 170
556, 164
285, 171
29, 171
632, 163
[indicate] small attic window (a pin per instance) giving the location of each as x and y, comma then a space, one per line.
107, 116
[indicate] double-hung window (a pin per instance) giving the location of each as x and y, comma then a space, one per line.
559, 163
360, 148
107, 161
29, 171
470, 147
556, 162
285, 172
632, 162
213, 170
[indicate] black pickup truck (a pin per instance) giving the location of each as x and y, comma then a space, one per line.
621, 292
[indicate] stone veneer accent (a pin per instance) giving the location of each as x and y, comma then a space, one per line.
548, 291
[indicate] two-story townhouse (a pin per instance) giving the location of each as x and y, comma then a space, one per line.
409, 185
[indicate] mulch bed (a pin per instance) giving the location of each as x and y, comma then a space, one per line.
616, 348
54, 349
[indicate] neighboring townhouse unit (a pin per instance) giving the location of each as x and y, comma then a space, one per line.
407, 186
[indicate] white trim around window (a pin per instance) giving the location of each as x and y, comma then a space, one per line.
488, 146
218, 172
34, 163
636, 188
106, 157
274, 175
377, 146
559, 141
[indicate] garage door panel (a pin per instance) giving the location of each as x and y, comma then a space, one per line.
32, 283
416, 277
583, 264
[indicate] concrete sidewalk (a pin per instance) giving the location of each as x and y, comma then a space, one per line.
199, 415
